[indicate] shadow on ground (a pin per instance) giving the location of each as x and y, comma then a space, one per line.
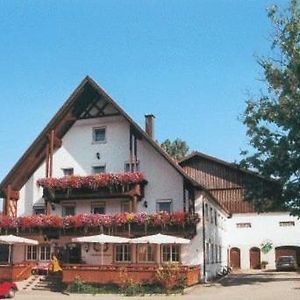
238, 279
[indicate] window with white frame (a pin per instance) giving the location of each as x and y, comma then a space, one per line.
123, 253
207, 253
99, 169
206, 211
170, 253
68, 171
212, 253
164, 205
68, 209
98, 208
216, 218
45, 252
211, 215
99, 135
243, 225
216, 253
39, 210
146, 253
286, 223
31, 252
132, 166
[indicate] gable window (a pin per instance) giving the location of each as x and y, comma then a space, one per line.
131, 167
216, 218
98, 208
45, 252
170, 253
164, 205
99, 135
243, 225
146, 253
123, 253
31, 252
68, 209
99, 169
68, 171
286, 223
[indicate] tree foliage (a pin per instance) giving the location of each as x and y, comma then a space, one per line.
273, 119
176, 149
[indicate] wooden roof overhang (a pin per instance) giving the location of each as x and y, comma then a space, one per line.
78, 106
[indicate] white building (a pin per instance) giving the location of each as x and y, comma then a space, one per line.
91, 135
251, 238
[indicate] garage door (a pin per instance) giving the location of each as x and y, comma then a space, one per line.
288, 251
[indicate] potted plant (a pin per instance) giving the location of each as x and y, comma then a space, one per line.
264, 264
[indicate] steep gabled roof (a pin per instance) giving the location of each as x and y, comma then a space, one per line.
62, 121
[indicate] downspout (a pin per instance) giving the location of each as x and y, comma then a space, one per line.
203, 241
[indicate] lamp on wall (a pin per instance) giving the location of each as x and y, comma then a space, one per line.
98, 155
145, 204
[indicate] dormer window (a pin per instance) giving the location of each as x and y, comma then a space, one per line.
99, 135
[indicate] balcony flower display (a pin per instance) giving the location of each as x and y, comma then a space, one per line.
97, 220
93, 182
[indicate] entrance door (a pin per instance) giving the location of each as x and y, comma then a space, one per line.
254, 258
73, 254
235, 258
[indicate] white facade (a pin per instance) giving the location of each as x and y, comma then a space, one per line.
78, 151
279, 229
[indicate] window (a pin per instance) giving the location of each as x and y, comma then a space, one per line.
68, 210
243, 225
31, 252
286, 223
164, 205
216, 218
207, 253
123, 253
211, 215
216, 254
146, 253
99, 135
212, 253
45, 252
125, 206
99, 169
131, 167
206, 212
38, 210
170, 253
68, 171
220, 254
98, 208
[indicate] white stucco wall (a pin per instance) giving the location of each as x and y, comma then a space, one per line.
264, 227
79, 152
193, 253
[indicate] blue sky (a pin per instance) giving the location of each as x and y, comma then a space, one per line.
190, 63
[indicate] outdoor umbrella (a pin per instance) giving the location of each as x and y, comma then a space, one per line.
15, 240
159, 239
101, 239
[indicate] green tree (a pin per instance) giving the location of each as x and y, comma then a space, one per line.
273, 119
176, 149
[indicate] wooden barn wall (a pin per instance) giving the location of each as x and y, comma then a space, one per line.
225, 184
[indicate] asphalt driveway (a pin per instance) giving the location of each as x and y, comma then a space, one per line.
238, 286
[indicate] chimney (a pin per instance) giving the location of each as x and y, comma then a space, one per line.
149, 125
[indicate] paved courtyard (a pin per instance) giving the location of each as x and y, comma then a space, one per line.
245, 286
